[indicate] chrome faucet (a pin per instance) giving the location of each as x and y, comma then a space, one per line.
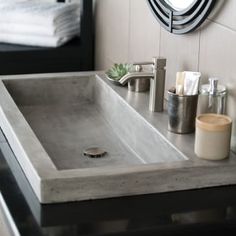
157, 82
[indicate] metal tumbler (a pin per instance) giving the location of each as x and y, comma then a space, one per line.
182, 111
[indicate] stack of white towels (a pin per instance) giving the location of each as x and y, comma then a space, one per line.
38, 23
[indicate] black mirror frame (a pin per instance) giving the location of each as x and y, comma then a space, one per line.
181, 22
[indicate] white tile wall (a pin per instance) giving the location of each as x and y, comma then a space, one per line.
181, 53
224, 13
112, 32
144, 32
127, 31
217, 57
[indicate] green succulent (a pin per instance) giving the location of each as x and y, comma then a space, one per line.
118, 71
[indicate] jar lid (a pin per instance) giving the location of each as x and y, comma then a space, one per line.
205, 89
214, 122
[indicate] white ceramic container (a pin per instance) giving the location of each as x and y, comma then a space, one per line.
212, 138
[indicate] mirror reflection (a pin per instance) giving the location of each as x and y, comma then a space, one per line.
179, 5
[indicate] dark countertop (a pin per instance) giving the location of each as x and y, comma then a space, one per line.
195, 212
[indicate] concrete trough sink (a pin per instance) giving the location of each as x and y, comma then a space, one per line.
49, 120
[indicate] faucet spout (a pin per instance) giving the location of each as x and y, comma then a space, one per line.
157, 82
135, 75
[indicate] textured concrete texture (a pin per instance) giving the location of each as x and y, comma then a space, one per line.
49, 119
2, 138
65, 132
3, 226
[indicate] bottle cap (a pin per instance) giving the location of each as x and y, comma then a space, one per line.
213, 88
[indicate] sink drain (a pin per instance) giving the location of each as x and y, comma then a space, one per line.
95, 152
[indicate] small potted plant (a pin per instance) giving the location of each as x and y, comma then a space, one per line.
117, 72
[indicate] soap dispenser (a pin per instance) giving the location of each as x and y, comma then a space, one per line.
212, 98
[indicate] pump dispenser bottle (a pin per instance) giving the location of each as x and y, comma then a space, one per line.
212, 98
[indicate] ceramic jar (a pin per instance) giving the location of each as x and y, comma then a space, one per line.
213, 135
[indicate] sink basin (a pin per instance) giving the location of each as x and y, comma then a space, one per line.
50, 120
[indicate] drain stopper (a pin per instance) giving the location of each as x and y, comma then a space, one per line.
94, 152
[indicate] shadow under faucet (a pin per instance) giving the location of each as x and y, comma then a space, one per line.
157, 82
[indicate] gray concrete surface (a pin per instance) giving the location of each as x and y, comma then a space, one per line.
2, 138
44, 140
66, 131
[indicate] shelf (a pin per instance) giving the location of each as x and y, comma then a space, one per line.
76, 55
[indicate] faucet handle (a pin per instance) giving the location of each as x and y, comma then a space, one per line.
159, 63
138, 68
144, 63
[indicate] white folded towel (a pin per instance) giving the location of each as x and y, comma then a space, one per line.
34, 29
36, 12
28, 40
37, 23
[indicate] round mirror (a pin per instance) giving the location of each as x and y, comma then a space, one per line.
181, 16
179, 5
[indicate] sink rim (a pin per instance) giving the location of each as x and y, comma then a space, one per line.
116, 95
42, 180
